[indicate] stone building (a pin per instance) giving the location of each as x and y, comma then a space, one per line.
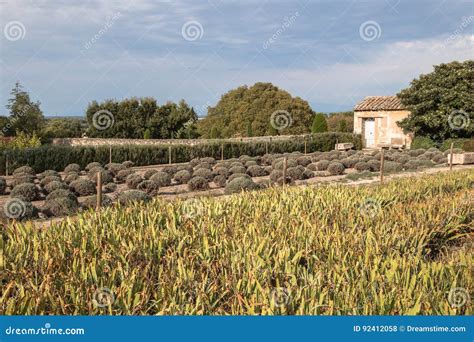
375, 118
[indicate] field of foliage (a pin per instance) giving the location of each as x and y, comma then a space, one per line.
398, 248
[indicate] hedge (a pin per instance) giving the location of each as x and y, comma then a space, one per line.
57, 157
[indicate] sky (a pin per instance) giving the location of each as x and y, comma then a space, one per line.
330, 53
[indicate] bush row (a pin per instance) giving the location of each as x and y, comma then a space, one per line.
58, 157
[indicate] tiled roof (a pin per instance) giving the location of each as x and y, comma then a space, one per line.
380, 103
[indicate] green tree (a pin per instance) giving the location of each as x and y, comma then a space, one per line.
255, 105
342, 126
441, 102
62, 128
25, 115
249, 130
319, 123
214, 133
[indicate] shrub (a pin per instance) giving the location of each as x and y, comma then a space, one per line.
198, 183
92, 165
208, 160
349, 162
391, 166
21, 179
161, 178
275, 175
48, 173
3, 185
256, 171
202, 165
303, 161
61, 193
237, 169
294, 173
19, 209
149, 173
223, 171
359, 175
312, 167
402, 159
114, 168
250, 163
462, 144
362, 166
110, 187
122, 175
133, 196
417, 152
55, 185
170, 169
70, 177
220, 180
105, 175
61, 206
46, 180
268, 169
183, 176
27, 191
237, 175
72, 168
422, 142
279, 164
307, 174
336, 168
91, 201
414, 164
204, 173
149, 186
133, 180
128, 164
374, 165
240, 184
26, 170
83, 187
322, 165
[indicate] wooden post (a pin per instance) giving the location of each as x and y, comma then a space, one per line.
6, 165
222, 151
451, 157
99, 190
382, 161
266, 147
110, 153
169, 154
285, 165
305, 146
271, 143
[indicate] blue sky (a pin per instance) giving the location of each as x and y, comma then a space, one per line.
330, 53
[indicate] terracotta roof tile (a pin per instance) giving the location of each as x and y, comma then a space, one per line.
380, 103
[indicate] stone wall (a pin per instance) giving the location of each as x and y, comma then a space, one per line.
113, 141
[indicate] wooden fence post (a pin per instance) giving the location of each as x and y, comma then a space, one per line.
305, 146
169, 154
285, 165
6, 165
99, 190
382, 162
222, 151
266, 147
451, 157
110, 153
